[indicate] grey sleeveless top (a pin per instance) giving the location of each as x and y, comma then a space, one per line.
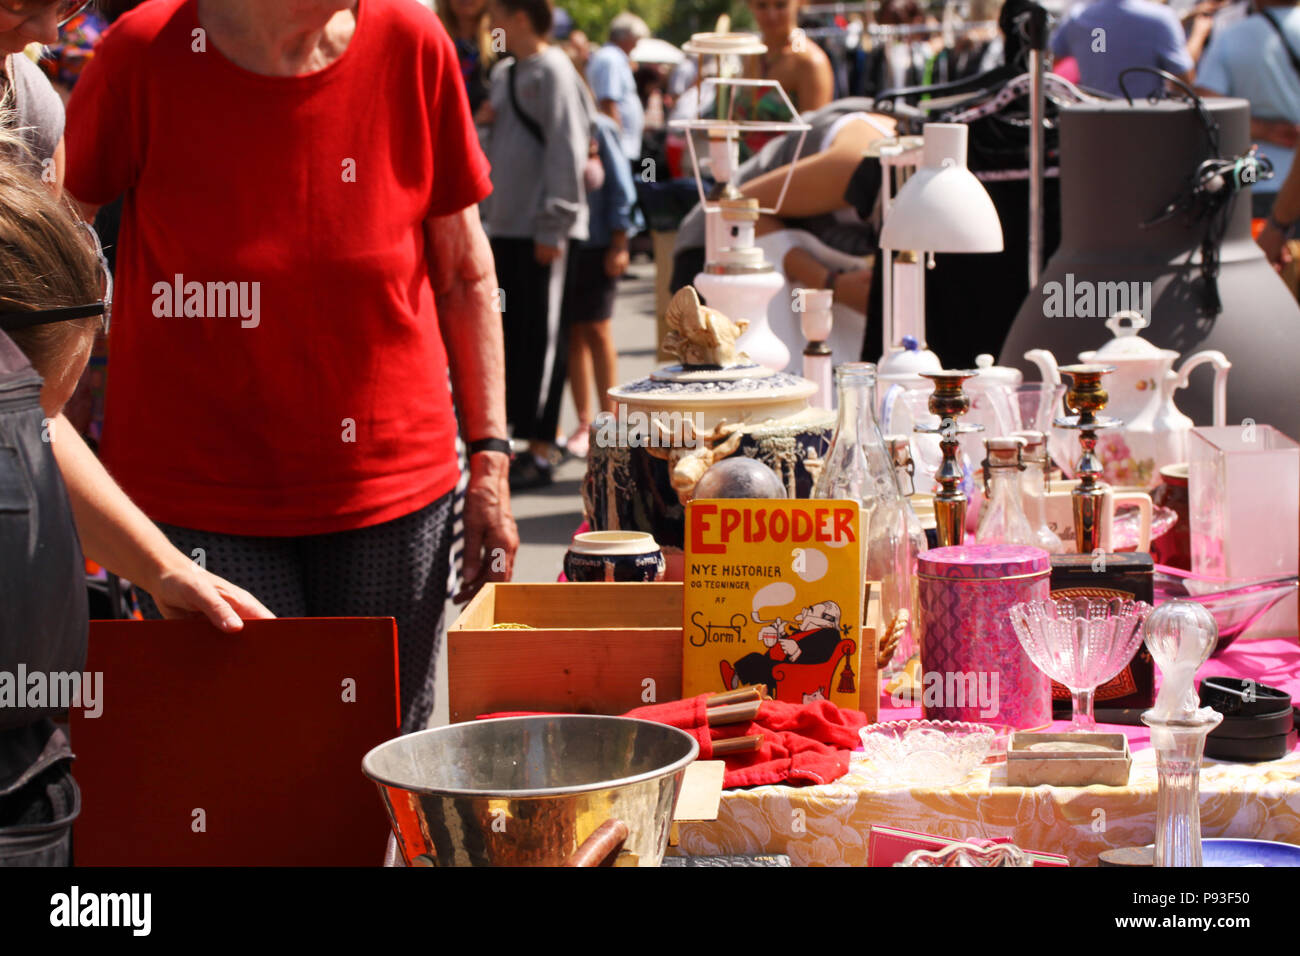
38, 110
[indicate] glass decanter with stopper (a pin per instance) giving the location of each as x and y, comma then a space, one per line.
1002, 518
858, 467
1033, 490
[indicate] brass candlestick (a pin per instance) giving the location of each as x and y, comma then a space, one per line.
948, 402
1086, 398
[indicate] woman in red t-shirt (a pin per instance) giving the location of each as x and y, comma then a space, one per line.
300, 264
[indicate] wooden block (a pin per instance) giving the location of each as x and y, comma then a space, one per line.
701, 795
1061, 760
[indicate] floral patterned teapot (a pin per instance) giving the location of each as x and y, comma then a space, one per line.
1141, 390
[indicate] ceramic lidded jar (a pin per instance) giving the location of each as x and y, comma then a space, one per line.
1141, 392
974, 668
614, 556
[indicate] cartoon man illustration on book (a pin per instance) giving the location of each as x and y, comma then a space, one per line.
812, 638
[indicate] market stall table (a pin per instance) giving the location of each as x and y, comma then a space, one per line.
830, 825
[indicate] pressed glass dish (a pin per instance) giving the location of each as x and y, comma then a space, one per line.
923, 753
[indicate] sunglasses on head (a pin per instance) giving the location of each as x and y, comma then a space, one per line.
12, 321
66, 9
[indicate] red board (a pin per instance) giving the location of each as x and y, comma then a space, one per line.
235, 750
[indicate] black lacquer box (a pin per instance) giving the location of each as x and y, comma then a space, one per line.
1124, 575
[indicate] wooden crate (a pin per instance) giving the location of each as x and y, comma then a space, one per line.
599, 648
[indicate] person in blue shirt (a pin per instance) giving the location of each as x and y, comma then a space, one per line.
609, 74
594, 268
1256, 60
1107, 37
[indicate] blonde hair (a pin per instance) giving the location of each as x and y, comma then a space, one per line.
46, 260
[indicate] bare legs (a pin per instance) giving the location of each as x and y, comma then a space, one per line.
593, 360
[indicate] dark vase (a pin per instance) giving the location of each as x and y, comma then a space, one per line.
1174, 547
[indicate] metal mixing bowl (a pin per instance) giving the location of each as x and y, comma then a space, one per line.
527, 791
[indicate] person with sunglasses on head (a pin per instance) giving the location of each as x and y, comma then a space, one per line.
303, 284
36, 110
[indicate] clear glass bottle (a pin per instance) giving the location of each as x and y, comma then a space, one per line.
900, 454
1002, 518
857, 466
846, 472
1033, 490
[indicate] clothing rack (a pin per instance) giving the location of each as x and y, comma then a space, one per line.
891, 31
867, 6
909, 29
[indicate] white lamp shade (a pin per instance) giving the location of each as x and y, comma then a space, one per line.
943, 207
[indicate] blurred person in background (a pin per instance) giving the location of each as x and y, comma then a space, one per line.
1258, 59
578, 47
594, 268
539, 147
64, 61
650, 81
612, 82
467, 24
1107, 37
294, 423
793, 60
1281, 220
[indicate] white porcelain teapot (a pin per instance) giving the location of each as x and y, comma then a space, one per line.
1142, 387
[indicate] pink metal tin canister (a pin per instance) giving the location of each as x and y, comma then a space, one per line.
974, 668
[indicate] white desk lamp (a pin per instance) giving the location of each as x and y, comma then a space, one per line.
941, 208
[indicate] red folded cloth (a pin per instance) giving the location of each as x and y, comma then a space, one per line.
802, 743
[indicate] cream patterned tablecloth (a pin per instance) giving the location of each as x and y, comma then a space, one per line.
829, 825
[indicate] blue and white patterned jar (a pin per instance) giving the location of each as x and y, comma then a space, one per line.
614, 556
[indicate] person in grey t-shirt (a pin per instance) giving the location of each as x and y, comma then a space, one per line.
538, 147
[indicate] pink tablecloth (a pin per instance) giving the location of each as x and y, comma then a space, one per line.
1275, 663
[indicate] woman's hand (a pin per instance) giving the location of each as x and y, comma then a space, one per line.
1278, 132
117, 535
1273, 242
186, 590
544, 254
491, 538
616, 261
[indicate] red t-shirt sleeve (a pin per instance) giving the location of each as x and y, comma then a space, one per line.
102, 134
461, 175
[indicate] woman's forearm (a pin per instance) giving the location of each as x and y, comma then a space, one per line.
114, 532
469, 315
1286, 207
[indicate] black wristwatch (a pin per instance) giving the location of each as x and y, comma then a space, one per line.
1281, 227
490, 444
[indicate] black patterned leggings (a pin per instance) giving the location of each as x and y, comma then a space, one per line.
396, 569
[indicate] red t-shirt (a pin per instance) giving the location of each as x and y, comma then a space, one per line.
300, 385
